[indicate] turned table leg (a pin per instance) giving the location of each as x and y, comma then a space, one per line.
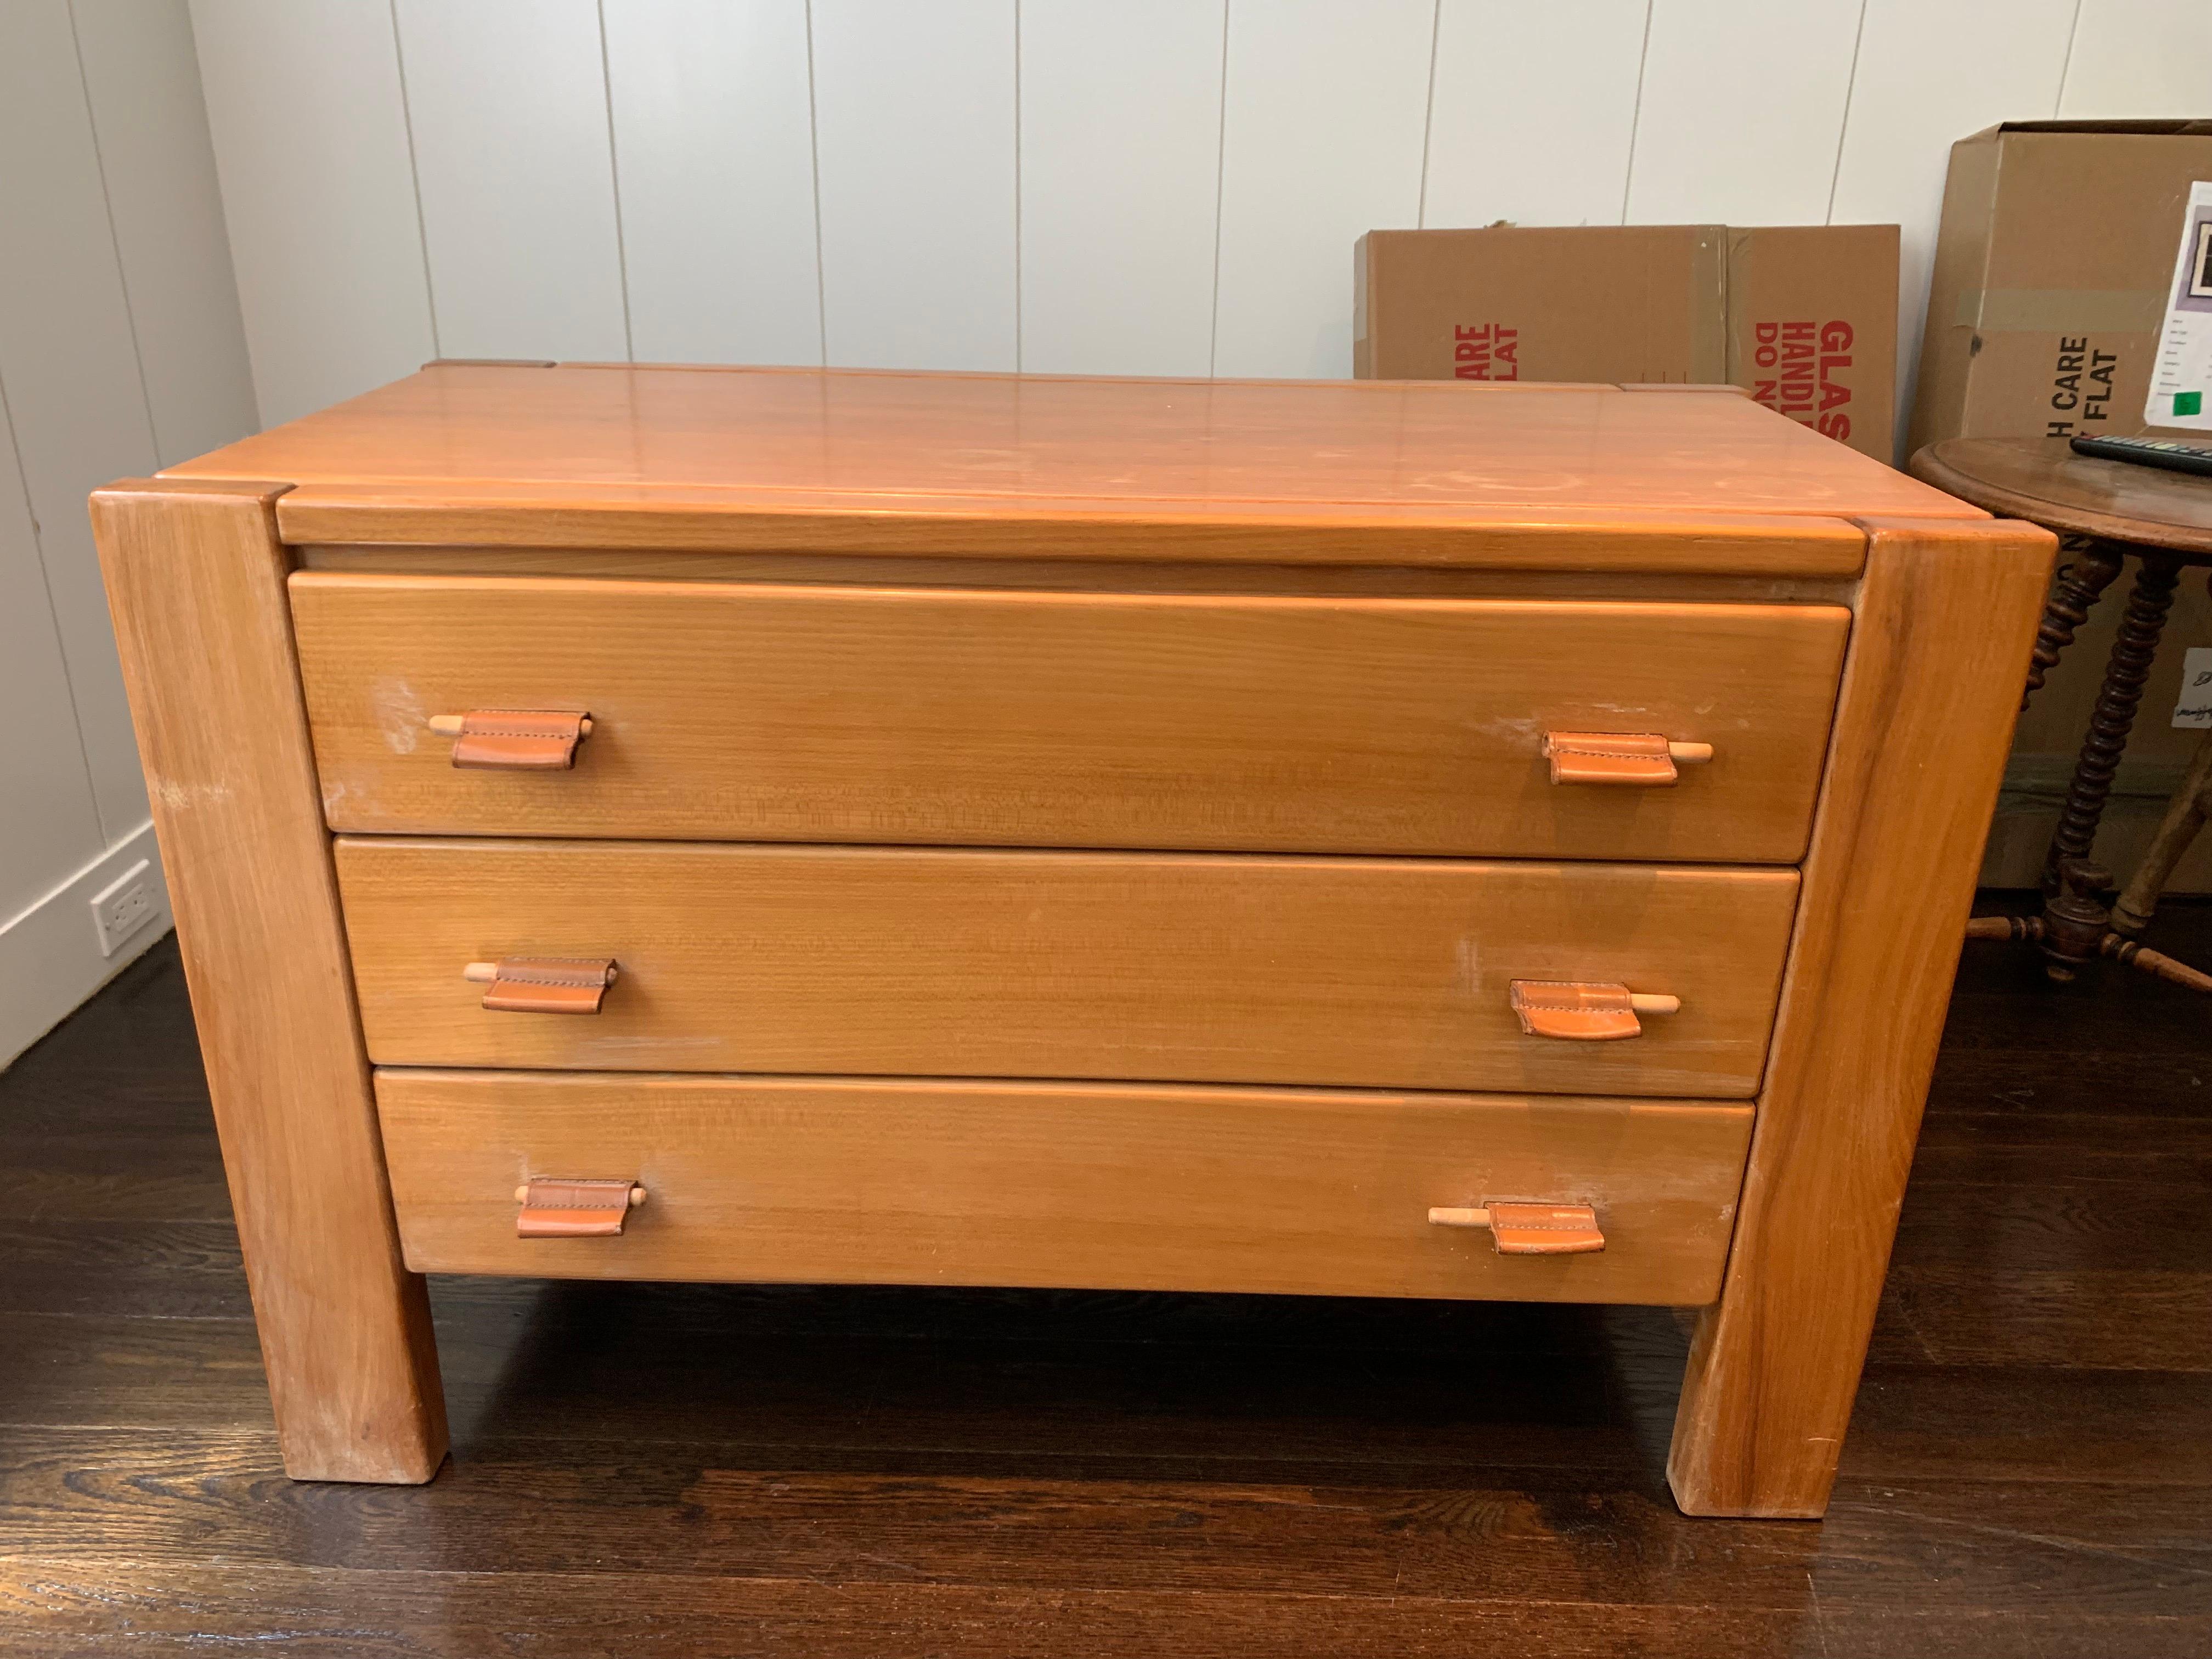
2075, 919
2115, 713
2184, 817
2086, 567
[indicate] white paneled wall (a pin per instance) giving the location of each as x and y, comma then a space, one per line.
712, 115
1117, 239
121, 346
506, 108
1909, 102
915, 156
1742, 111
70, 369
2139, 57
1324, 119
143, 88
47, 817
310, 136
1554, 88
1167, 187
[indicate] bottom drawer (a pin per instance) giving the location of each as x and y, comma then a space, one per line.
1109, 1186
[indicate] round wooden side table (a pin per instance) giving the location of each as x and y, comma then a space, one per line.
2104, 512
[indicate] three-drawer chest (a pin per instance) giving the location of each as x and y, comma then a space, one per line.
1364, 839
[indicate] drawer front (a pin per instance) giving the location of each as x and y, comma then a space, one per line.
898, 1182
959, 717
1376, 973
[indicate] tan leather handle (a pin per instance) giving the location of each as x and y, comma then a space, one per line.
1637, 759
513, 739
1518, 1228
584, 1206
1577, 1010
544, 985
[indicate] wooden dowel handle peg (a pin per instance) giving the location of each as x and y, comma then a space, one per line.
484, 973
1446, 1217
449, 725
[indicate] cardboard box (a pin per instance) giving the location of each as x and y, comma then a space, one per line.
2060, 262
2051, 288
1804, 318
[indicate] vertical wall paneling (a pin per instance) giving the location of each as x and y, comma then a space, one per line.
1117, 237
714, 140
48, 824
159, 169
506, 104
913, 110
1910, 104
1006, 182
107, 217
310, 139
1326, 108
69, 370
2142, 59
1534, 111
1742, 111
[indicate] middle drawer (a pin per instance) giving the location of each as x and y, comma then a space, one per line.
1380, 973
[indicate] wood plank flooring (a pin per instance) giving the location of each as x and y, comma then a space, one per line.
665, 1470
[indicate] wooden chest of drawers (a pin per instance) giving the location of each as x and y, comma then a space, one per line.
1368, 839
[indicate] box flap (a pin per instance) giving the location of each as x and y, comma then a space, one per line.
2175, 127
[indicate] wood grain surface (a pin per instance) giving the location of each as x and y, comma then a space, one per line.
1388, 974
797, 712
1103, 1186
1403, 472
195, 581
1943, 627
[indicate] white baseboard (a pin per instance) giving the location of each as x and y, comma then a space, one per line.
50, 958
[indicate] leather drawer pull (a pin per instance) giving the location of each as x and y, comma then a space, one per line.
1575, 1012
513, 739
1522, 1229
1637, 758
544, 985
585, 1208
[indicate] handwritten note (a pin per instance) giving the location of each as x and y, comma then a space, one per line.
2195, 707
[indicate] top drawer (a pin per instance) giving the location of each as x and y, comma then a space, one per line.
951, 716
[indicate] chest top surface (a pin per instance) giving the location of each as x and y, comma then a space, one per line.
601, 440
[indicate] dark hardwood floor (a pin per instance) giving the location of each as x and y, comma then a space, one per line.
677, 1470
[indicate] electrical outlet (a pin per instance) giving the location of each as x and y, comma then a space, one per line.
123, 906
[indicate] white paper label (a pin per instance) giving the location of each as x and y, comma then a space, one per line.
2181, 373
2195, 707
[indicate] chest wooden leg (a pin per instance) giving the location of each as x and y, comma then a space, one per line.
196, 580
1919, 748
